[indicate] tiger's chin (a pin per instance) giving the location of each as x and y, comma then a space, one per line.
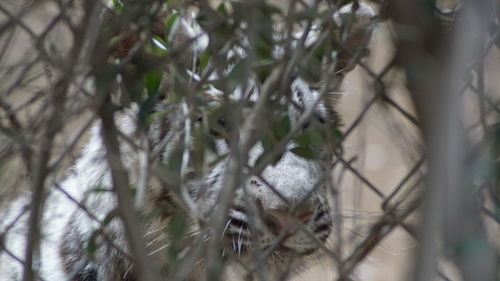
246, 251
275, 262
299, 252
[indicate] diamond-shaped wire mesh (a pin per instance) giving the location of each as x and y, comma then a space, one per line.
249, 140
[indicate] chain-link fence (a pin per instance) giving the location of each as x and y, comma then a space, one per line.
249, 140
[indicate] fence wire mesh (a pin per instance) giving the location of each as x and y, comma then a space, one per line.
249, 140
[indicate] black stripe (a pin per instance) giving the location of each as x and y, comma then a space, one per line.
86, 275
322, 228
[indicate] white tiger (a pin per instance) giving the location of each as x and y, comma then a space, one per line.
288, 202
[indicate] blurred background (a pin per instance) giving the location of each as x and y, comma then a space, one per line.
417, 190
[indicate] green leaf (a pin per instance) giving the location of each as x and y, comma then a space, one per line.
493, 136
160, 45
178, 226
199, 146
264, 48
173, 3
101, 189
93, 243
145, 109
174, 160
310, 138
306, 14
91, 247
118, 4
155, 116
282, 127
204, 60
223, 9
304, 152
152, 81
336, 132
177, 230
268, 142
270, 10
109, 217
310, 69
202, 18
171, 26
239, 75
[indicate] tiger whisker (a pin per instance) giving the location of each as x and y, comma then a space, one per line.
159, 238
154, 231
128, 271
240, 241
159, 249
225, 227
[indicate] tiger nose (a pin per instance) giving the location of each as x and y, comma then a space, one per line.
280, 222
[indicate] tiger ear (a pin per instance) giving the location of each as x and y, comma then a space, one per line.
356, 25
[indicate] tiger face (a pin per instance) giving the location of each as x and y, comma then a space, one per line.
281, 214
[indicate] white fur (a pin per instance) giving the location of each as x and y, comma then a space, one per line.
90, 171
293, 177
